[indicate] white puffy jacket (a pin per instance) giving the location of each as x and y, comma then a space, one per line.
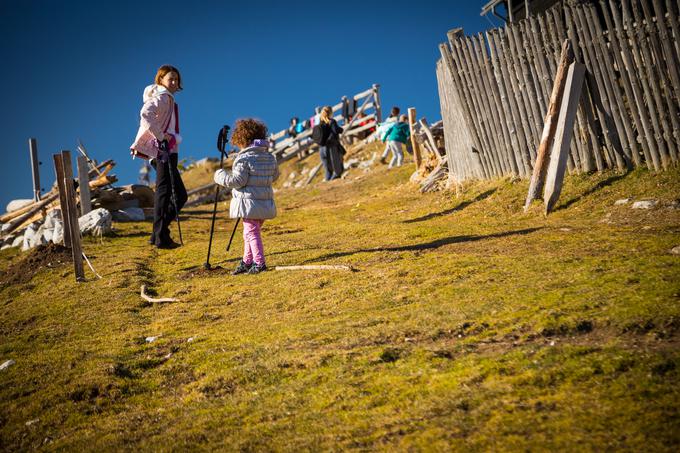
253, 172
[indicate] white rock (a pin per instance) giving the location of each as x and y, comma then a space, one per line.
622, 201
58, 233
645, 204
31, 237
6, 246
96, 222
676, 250
32, 422
150, 339
17, 241
15, 205
5, 227
7, 364
128, 215
190, 339
52, 218
292, 175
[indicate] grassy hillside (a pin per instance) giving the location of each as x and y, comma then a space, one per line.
467, 325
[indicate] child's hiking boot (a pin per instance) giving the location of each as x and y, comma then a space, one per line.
257, 268
242, 268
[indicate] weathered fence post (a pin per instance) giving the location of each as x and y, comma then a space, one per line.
67, 197
414, 143
551, 119
35, 167
558, 156
84, 185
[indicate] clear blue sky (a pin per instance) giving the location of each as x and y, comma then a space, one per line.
76, 69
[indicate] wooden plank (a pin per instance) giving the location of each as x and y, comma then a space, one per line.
509, 75
639, 42
558, 156
59, 172
84, 186
476, 108
35, 167
414, 144
631, 86
508, 100
484, 109
475, 46
580, 151
76, 248
462, 96
665, 66
597, 89
550, 126
376, 101
637, 72
603, 59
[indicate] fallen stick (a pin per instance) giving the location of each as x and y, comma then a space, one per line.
314, 267
155, 301
91, 267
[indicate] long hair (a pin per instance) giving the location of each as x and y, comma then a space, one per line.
164, 70
326, 114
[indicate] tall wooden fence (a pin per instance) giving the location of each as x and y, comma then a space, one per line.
494, 89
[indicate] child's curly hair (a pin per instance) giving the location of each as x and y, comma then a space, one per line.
246, 130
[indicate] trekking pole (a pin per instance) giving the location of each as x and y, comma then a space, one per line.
238, 219
173, 195
221, 144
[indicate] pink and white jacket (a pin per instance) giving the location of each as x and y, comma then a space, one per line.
159, 115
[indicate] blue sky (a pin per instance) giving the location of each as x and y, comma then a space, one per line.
76, 69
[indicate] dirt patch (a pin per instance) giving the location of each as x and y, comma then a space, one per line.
203, 272
42, 257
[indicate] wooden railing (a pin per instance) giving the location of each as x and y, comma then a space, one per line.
285, 147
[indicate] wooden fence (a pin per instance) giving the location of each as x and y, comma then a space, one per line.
367, 103
494, 89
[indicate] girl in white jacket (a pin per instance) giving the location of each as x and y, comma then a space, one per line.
252, 197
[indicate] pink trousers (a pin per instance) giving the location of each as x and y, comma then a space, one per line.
253, 249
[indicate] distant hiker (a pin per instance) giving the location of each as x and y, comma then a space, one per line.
296, 127
383, 127
327, 135
252, 197
158, 139
397, 134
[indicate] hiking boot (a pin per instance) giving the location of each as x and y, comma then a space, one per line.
257, 268
242, 268
383, 160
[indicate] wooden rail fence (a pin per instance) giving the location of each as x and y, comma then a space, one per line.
495, 88
285, 147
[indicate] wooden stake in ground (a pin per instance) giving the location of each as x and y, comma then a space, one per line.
565, 125
69, 211
414, 142
35, 167
550, 125
84, 185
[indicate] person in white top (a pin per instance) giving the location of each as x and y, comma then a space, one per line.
158, 138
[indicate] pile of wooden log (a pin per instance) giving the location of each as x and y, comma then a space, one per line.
100, 193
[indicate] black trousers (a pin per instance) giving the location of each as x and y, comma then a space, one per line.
163, 209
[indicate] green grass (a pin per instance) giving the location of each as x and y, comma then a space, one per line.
468, 325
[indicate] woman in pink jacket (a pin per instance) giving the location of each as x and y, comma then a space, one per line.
158, 138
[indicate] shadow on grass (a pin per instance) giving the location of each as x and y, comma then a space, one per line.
600, 185
427, 245
460, 207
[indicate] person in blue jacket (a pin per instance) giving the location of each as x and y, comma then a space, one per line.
395, 136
